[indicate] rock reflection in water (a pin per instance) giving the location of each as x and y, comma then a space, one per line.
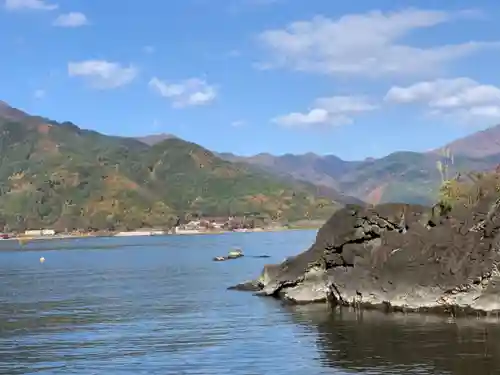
398, 343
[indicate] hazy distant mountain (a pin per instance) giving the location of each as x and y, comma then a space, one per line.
401, 176
155, 138
321, 170
480, 144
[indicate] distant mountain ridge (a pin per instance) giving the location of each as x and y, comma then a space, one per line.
400, 176
10, 113
153, 139
478, 145
159, 176
321, 170
410, 177
61, 176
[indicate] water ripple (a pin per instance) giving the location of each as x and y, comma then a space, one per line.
159, 306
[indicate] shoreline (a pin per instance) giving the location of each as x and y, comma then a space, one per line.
267, 230
22, 239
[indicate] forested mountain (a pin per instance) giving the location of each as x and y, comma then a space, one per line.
58, 175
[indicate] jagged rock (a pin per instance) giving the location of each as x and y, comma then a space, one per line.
248, 286
397, 256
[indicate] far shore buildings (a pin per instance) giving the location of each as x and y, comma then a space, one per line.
218, 223
204, 224
39, 232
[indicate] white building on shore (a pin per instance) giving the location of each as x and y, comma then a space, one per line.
40, 232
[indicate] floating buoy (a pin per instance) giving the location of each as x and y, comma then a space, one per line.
236, 253
42, 259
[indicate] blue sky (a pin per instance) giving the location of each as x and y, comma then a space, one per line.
355, 79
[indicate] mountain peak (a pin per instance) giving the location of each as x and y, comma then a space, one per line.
153, 139
477, 145
10, 113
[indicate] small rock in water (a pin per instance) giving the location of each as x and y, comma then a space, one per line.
248, 286
42, 259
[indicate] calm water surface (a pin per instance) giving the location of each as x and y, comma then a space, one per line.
159, 305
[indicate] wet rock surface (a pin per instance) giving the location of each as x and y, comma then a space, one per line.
397, 257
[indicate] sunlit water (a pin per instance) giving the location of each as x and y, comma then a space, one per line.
159, 305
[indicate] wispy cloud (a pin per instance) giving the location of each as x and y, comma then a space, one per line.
29, 4
39, 94
72, 19
238, 123
461, 98
366, 44
187, 93
333, 111
103, 74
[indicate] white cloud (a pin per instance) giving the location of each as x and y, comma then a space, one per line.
345, 104
313, 117
335, 110
72, 19
190, 92
461, 98
103, 74
369, 44
29, 4
39, 94
238, 123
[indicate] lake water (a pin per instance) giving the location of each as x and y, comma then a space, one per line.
159, 305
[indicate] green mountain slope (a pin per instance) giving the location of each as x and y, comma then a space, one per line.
58, 175
194, 176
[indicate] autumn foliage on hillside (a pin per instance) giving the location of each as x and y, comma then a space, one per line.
60, 176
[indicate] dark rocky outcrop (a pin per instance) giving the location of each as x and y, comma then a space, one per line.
397, 256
